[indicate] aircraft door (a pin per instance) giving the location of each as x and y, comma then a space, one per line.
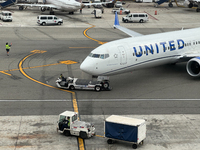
122, 55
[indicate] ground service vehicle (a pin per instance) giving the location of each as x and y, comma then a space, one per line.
97, 13
102, 83
6, 16
121, 9
136, 17
49, 20
125, 129
118, 4
76, 127
109, 5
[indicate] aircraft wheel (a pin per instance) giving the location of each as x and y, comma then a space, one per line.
21, 7
170, 5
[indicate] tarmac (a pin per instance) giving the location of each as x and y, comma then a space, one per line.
164, 132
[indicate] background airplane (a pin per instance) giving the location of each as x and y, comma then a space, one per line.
64, 5
142, 51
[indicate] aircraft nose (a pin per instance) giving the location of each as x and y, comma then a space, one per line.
87, 67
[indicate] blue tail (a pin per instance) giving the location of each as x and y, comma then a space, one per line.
7, 3
116, 19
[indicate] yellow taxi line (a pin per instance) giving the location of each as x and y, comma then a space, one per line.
85, 34
80, 140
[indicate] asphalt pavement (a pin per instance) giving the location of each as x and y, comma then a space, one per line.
165, 96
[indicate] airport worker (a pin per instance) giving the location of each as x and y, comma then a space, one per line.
62, 77
8, 48
68, 124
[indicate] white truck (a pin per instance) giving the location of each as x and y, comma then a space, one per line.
78, 128
122, 10
102, 83
125, 129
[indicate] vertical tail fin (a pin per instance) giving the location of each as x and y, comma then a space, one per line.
116, 19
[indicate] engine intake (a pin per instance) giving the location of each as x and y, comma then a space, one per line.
193, 67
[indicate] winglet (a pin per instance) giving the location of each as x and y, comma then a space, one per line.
116, 19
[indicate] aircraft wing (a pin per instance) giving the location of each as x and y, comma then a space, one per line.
90, 4
123, 29
38, 5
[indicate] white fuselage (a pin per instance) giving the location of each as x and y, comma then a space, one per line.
133, 53
66, 5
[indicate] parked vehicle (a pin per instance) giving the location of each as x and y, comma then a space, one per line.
136, 17
68, 124
126, 129
6, 16
118, 4
122, 10
49, 20
97, 4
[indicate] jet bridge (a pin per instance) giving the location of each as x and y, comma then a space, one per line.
7, 3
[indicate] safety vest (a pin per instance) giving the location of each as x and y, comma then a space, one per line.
69, 123
7, 47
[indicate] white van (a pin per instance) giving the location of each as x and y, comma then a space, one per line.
49, 19
136, 17
6, 16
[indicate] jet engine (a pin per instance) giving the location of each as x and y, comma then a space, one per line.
193, 67
43, 9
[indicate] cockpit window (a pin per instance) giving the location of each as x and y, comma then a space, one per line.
96, 55
102, 56
90, 54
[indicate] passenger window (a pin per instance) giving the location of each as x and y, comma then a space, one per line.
55, 18
43, 18
130, 15
141, 15
50, 18
9, 14
135, 15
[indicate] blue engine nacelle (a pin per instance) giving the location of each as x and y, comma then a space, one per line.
193, 67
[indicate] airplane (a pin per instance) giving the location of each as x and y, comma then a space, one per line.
192, 4
142, 51
64, 5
